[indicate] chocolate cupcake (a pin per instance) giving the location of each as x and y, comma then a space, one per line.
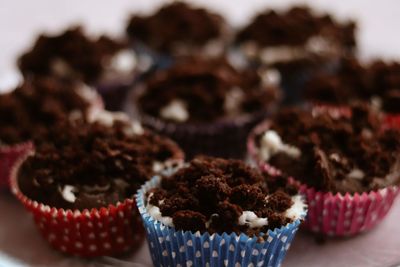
108, 64
205, 105
178, 29
90, 170
219, 212
376, 82
342, 161
296, 42
32, 108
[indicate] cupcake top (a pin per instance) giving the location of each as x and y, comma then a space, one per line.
91, 165
296, 33
39, 104
377, 82
176, 28
73, 54
216, 195
331, 151
203, 90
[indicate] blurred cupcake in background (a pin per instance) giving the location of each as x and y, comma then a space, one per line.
347, 165
38, 104
105, 63
205, 105
177, 29
296, 42
217, 212
376, 82
80, 181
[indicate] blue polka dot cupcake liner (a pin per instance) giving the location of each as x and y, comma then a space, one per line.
169, 247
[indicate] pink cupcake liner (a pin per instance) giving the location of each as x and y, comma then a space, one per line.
9, 155
333, 214
112, 230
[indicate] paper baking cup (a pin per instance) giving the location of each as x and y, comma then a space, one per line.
334, 214
106, 231
221, 139
169, 247
392, 121
9, 155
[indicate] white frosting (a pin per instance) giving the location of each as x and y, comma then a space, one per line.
68, 193
271, 144
124, 61
250, 219
155, 213
107, 118
175, 110
298, 209
233, 99
270, 77
356, 174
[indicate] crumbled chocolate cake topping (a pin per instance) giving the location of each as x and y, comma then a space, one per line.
354, 81
214, 195
295, 27
207, 90
342, 154
70, 54
176, 24
86, 166
36, 105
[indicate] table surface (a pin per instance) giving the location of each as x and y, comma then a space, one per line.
21, 21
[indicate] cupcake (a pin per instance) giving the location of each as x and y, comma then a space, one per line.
205, 105
33, 107
376, 82
107, 64
347, 165
79, 183
217, 212
178, 29
296, 42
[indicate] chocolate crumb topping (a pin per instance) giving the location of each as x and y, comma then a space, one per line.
82, 166
218, 195
203, 90
180, 24
70, 54
338, 154
295, 27
37, 105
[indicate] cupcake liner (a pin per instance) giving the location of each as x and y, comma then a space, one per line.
169, 247
9, 155
334, 214
392, 121
107, 231
222, 138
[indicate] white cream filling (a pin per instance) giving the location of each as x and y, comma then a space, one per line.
271, 144
250, 219
67, 192
107, 118
60, 68
176, 110
233, 100
270, 77
356, 174
297, 210
125, 61
155, 213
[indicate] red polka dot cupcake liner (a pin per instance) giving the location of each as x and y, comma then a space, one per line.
9, 155
107, 231
333, 214
392, 121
